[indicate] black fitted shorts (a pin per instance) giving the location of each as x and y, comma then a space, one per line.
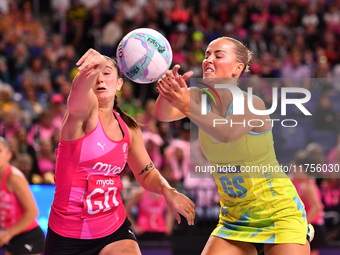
31, 242
59, 245
260, 246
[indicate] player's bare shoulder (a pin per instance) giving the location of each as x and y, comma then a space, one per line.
15, 177
257, 102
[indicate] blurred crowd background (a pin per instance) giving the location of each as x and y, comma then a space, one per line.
294, 43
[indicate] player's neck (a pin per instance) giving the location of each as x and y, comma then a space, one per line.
2, 170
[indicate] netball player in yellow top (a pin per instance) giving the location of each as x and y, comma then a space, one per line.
259, 211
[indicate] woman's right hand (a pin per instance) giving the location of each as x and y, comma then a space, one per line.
4, 237
173, 73
165, 111
92, 62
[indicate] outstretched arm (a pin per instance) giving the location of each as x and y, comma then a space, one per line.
90, 65
82, 102
220, 128
151, 180
164, 110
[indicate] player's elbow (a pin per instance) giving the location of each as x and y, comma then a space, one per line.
226, 139
33, 213
227, 136
161, 116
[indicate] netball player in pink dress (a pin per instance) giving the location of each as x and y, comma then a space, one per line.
97, 139
19, 230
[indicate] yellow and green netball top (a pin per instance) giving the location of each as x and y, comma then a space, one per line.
256, 206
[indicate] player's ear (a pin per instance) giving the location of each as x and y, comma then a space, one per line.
119, 84
238, 69
9, 155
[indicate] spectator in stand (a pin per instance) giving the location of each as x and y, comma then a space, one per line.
130, 9
296, 74
153, 142
193, 64
57, 47
198, 45
4, 8
62, 69
10, 125
14, 148
299, 41
167, 25
25, 165
107, 10
149, 118
37, 77
323, 72
177, 41
11, 20
163, 131
310, 61
4, 74
278, 45
55, 140
180, 14
25, 148
46, 161
112, 34
94, 26
269, 68
48, 58
128, 102
18, 62
330, 43
177, 155
256, 42
43, 129
65, 88
310, 17
70, 54
31, 106
325, 117
6, 100
222, 13
58, 109
332, 18
238, 27
31, 31
76, 18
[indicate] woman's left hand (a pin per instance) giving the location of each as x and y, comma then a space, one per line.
179, 203
176, 93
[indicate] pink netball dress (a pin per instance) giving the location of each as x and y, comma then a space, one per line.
87, 202
298, 185
11, 209
151, 213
